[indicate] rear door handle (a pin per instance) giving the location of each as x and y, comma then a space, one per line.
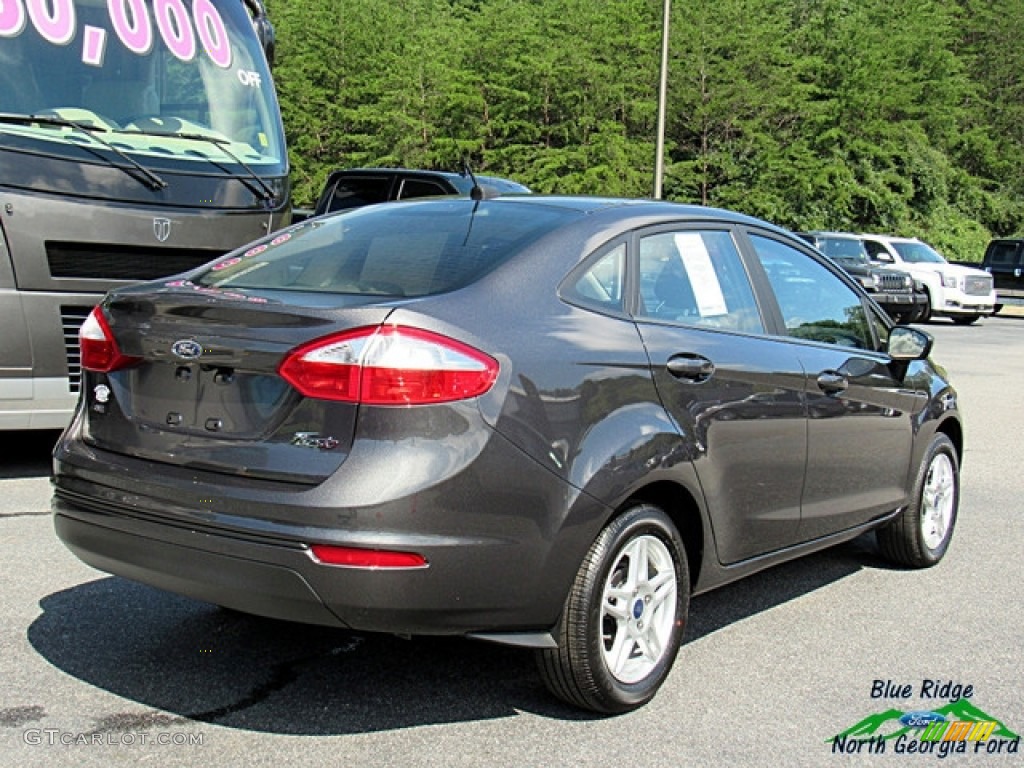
832, 382
692, 367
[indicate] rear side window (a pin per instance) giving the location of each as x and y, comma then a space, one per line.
696, 278
420, 188
602, 283
418, 248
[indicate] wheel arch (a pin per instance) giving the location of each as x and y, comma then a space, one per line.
681, 506
953, 429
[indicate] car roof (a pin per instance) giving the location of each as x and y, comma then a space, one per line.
891, 238
823, 233
457, 180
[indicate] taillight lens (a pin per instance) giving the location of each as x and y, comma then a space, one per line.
99, 349
389, 365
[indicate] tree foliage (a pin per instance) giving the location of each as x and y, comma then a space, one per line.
869, 115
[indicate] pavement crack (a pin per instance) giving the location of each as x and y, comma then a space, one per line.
283, 675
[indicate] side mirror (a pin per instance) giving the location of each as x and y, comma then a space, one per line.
907, 343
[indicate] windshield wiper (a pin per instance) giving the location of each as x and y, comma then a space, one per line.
261, 189
149, 178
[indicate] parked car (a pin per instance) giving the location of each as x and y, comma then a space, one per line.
1004, 260
961, 293
539, 421
354, 187
892, 289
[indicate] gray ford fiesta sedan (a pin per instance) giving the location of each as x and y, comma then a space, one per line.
541, 421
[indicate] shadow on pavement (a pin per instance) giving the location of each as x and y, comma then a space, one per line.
197, 662
26, 453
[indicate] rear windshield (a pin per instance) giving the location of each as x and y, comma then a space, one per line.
417, 248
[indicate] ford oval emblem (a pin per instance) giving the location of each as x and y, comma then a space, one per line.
921, 719
187, 349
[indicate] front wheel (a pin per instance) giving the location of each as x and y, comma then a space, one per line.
919, 536
624, 617
965, 319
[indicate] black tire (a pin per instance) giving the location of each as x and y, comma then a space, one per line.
919, 536
589, 669
926, 310
997, 309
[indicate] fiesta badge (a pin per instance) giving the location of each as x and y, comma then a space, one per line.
187, 349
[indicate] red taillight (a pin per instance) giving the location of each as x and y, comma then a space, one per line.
100, 352
354, 557
389, 365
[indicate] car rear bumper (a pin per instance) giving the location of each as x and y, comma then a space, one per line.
496, 562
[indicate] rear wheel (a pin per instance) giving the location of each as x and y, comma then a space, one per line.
624, 617
919, 536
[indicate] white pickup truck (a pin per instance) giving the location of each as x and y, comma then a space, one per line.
961, 293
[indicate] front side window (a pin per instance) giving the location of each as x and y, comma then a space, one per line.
816, 305
696, 278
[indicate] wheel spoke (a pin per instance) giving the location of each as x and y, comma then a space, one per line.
938, 498
638, 608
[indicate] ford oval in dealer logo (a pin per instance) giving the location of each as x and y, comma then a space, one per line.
922, 719
187, 349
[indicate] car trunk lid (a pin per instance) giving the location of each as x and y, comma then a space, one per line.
204, 391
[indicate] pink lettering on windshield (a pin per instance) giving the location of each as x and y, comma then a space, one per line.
212, 33
136, 33
175, 29
94, 43
56, 22
12, 18
58, 26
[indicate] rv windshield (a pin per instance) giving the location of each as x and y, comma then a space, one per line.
170, 81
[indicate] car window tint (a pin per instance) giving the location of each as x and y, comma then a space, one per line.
601, 284
413, 249
815, 304
697, 278
356, 192
1003, 254
421, 188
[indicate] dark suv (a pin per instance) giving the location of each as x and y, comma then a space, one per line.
892, 289
1004, 260
354, 187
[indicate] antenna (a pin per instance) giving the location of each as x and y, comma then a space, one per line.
477, 192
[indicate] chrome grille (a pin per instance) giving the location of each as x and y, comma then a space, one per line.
890, 281
978, 285
71, 319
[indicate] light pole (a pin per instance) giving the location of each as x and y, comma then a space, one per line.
659, 160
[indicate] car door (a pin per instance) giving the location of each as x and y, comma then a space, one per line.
860, 415
735, 393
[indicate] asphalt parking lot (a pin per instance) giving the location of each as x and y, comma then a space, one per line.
99, 671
